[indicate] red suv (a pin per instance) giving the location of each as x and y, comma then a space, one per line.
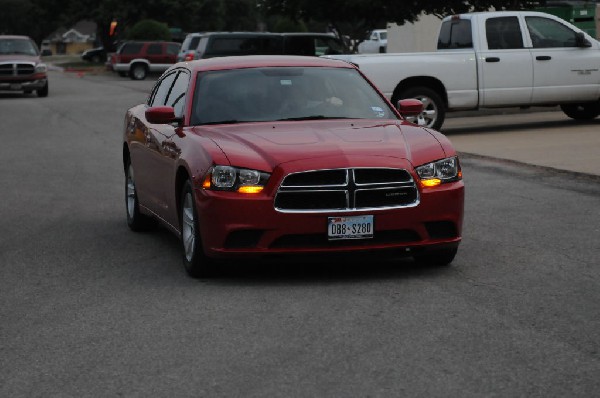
21, 68
138, 58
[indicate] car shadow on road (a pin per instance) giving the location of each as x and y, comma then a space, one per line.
306, 269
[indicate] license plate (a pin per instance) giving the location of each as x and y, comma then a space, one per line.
15, 86
355, 227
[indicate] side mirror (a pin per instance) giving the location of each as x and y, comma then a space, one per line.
161, 115
581, 41
410, 107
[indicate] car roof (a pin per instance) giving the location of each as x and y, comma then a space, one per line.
257, 61
14, 37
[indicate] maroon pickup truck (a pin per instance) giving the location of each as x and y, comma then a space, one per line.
21, 68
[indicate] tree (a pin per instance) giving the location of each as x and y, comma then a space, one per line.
354, 17
149, 29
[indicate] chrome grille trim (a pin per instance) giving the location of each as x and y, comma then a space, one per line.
17, 68
401, 181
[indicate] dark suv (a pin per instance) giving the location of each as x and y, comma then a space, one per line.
138, 58
221, 44
21, 68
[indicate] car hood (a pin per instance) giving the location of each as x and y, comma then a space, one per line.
19, 57
324, 143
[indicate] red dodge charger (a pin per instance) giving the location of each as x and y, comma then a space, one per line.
255, 155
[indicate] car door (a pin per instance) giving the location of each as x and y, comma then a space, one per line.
154, 179
166, 143
563, 69
155, 54
505, 65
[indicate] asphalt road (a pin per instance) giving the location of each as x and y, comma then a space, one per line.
88, 308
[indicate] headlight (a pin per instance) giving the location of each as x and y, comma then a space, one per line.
228, 178
435, 173
41, 68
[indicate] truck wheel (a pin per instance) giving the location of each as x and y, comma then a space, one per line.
43, 92
434, 110
585, 111
138, 72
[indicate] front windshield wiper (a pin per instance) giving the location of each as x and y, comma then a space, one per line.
232, 121
313, 117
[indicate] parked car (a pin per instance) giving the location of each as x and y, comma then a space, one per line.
21, 68
259, 155
219, 44
497, 59
375, 42
189, 45
138, 58
95, 55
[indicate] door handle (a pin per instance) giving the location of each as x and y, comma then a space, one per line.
492, 59
543, 58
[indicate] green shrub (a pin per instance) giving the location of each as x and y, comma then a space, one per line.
149, 29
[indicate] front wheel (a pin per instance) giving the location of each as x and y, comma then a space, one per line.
584, 111
438, 257
196, 263
42, 92
434, 109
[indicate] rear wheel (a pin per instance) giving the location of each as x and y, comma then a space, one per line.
436, 257
196, 263
138, 72
584, 111
434, 110
135, 220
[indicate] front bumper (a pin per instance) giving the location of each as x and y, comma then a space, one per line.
233, 225
23, 84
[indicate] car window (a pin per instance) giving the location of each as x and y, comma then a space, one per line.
548, 33
162, 90
222, 46
190, 42
154, 48
503, 33
268, 94
176, 98
131, 48
299, 45
173, 48
455, 33
171, 90
328, 46
18, 46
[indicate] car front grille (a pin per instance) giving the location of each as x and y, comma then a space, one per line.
16, 69
346, 190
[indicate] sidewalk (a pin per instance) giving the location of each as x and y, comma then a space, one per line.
548, 139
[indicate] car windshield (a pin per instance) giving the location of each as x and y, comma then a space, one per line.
285, 93
17, 46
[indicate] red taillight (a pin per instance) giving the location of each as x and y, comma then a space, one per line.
189, 56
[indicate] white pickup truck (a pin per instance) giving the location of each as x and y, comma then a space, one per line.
494, 60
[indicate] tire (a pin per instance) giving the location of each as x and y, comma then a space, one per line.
136, 221
96, 59
434, 109
584, 111
43, 92
138, 72
439, 257
195, 262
